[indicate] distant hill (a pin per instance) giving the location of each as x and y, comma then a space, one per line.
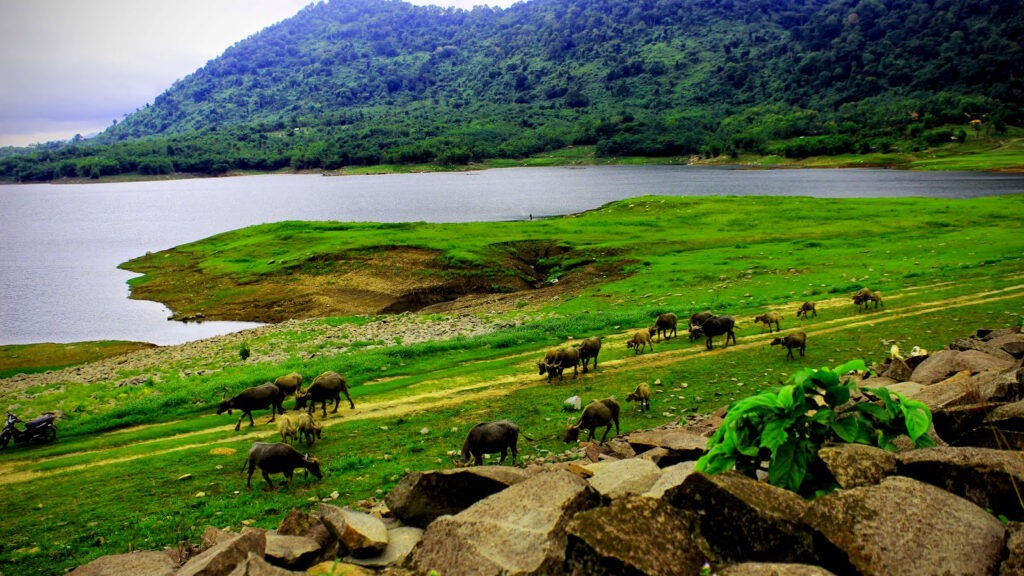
364, 82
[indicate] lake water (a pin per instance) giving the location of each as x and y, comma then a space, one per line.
60, 244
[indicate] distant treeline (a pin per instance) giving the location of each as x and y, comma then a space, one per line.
365, 82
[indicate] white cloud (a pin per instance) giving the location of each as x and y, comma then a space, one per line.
72, 66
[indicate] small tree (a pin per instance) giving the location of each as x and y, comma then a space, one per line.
786, 427
244, 352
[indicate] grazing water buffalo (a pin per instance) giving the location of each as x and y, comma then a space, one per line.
642, 396
309, 430
769, 318
807, 308
256, 398
864, 295
589, 348
640, 340
488, 438
696, 320
557, 360
326, 387
278, 458
665, 325
791, 341
289, 383
716, 326
598, 413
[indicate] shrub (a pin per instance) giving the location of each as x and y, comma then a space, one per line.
786, 427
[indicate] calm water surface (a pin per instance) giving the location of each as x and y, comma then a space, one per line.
60, 244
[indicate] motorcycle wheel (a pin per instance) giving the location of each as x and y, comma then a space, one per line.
50, 435
4, 441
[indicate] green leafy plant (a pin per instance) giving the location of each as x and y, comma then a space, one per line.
244, 352
786, 426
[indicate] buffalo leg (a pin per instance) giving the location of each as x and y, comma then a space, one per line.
266, 476
337, 402
351, 404
248, 481
273, 414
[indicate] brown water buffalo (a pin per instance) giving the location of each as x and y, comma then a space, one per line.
489, 438
325, 387
278, 458
255, 398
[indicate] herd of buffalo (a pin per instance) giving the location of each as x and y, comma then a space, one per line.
501, 436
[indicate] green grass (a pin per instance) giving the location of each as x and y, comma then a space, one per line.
31, 358
111, 484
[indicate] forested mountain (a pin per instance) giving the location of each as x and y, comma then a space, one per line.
363, 82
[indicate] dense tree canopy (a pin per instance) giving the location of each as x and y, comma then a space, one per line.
363, 82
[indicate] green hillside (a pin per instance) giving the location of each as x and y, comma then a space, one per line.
369, 82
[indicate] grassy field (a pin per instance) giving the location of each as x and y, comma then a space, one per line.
111, 483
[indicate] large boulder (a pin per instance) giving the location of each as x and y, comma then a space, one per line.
682, 444
291, 552
420, 497
615, 479
255, 565
634, 535
939, 366
905, 526
670, 478
362, 535
949, 392
988, 478
742, 519
772, 569
134, 563
855, 465
518, 531
401, 541
223, 558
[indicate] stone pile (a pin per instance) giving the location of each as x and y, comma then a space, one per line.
636, 506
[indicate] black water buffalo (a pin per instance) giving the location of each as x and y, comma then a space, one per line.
256, 398
665, 325
696, 320
596, 414
278, 458
557, 360
716, 326
488, 438
589, 348
325, 387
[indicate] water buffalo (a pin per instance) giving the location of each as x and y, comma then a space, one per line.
278, 458
642, 396
791, 341
716, 326
325, 387
488, 438
865, 295
256, 398
640, 340
769, 318
598, 413
807, 308
589, 348
665, 325
289, 383
696, 320
557, 360
309, 430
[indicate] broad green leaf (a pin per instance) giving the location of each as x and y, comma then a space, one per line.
917, 417
787, 469
851, 366
847, 429
837, 395
873, 410
775, 434
784, 399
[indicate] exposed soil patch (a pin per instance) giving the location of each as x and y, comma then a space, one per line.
390, 279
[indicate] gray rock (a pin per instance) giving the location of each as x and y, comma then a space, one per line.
988, 478
771, 569
518, 531
297, 523
635, 535
401, 541
421, 497
292, 552
255, 565
856, 465
1014, 563
903, 526
978, 361
361, 534
746, 520
222, 559
670, 477
134, 563
949, 392
956, 425
939, 366
683, 444
622, 477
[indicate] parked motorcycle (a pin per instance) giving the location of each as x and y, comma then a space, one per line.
40, 430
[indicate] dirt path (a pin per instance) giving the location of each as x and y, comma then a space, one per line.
13, 471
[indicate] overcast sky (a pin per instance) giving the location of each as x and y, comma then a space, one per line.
72, 66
